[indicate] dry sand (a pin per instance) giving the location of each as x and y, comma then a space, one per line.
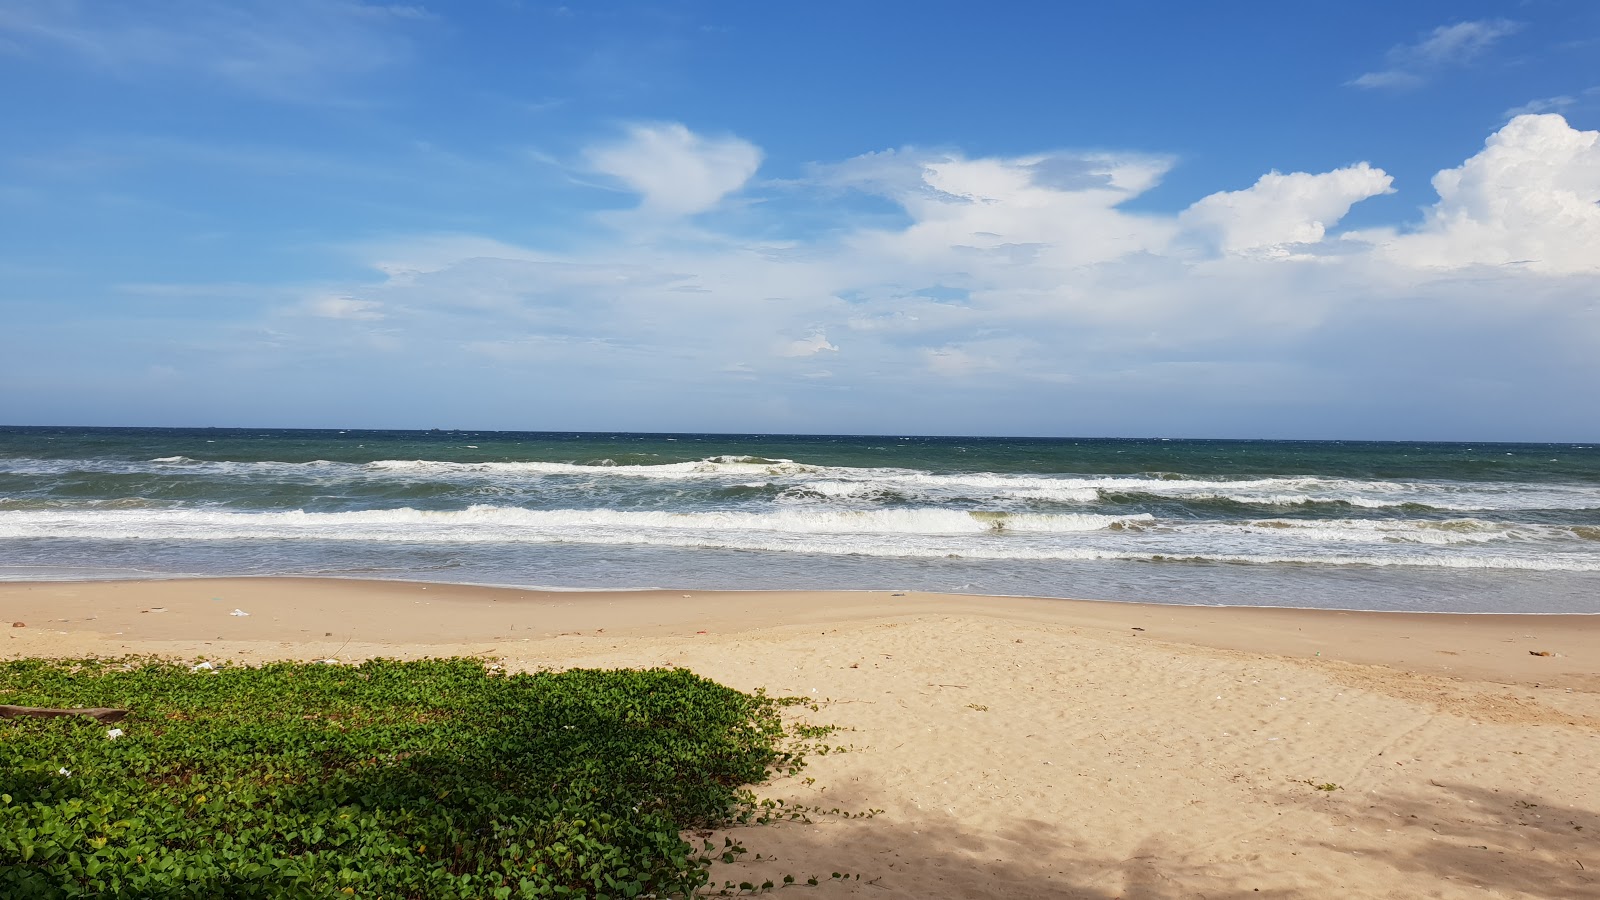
1030, 748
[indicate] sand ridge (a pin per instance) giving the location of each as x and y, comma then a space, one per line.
1024, 748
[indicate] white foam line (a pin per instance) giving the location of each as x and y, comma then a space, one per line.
848, 481
391, 523
927, 534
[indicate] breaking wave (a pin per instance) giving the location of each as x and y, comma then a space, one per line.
800, 482
906, 533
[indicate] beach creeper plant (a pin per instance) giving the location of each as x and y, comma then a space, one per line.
430, 779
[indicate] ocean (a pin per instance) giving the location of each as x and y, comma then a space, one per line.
1481, 527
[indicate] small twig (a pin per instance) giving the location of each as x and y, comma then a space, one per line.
102, 714
947, 685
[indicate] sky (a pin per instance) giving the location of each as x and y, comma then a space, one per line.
1357, 220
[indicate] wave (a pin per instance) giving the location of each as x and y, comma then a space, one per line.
927, 533
169, 466
1408, 531
133, 517
32, 503
799, 482
805, 481
192, 523
834, 491
1333, 498
710, 467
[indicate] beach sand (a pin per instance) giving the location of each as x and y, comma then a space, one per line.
1022, 747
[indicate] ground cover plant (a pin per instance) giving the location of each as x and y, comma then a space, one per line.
430, 779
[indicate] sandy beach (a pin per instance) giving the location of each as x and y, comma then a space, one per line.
1022, 747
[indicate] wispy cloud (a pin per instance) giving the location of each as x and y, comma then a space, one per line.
121, 151
1558, 103
335, 306
1541, 105
1411, 65
289, 49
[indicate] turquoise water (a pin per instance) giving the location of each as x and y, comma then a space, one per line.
1466, 527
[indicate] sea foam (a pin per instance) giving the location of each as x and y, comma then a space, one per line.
906, 533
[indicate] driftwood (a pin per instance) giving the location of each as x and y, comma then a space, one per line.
100, 714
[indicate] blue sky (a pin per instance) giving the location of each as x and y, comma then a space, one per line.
1364, 220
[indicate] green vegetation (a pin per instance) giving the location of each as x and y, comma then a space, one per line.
432, 779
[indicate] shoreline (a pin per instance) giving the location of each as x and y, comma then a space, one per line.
1023, 747
559, 590
1496, 647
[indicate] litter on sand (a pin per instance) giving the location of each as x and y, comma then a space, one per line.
238, 612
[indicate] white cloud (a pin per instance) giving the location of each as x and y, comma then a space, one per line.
1458, 43
961, 361
1530, 198
1541, 105
335, 306
1021, 283
405, 259
810, 345
1389, 78
1057, 209
675, 171
1411, 65
1280, 210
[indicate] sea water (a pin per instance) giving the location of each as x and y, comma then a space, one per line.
1480, 527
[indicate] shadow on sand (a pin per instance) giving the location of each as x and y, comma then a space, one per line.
1477, 841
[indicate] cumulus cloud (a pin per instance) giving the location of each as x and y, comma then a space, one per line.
1280, 210
1058, 209
1411, 65
675, 171
1020, 283
1530, 198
